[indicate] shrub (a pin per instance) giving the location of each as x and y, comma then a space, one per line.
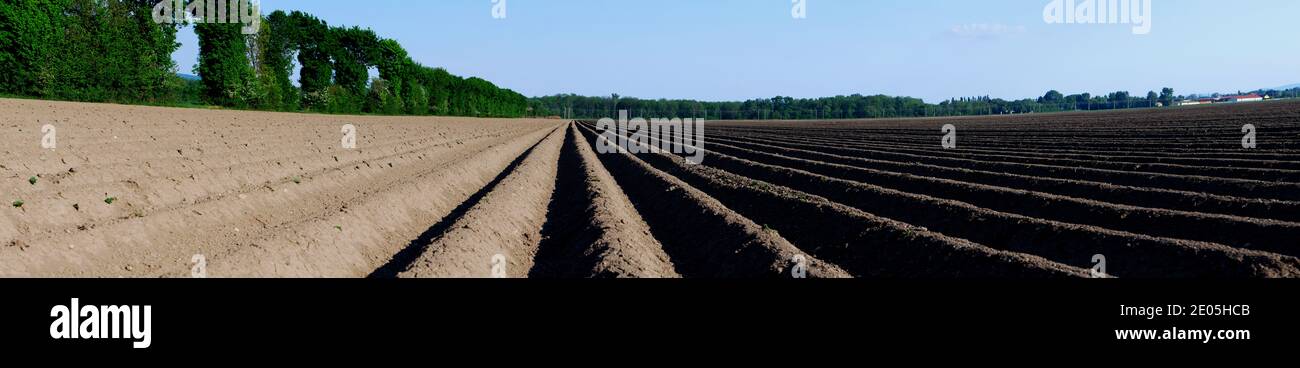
341, 101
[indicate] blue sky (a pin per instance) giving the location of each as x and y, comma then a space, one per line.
743, 49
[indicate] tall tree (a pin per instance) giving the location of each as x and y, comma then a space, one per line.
392, 60
352, 56
276, 47
96, 50
223, 64
1167, 96
29, 44
315, 44
1053, 97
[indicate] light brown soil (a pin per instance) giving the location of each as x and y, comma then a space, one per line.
230, 194
500, 234
609, 239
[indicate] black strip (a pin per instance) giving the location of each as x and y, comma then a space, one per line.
357, 316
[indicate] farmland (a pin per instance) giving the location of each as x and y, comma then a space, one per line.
1160, 193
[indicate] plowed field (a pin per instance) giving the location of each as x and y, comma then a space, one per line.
162, 192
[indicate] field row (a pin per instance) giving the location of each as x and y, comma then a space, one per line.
1236, 223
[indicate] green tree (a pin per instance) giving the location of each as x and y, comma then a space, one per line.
1053, 97
1167, 96
353, 53
417, 99
276, 46
135, 52
30, 33
392, 60
223, 64
314, 43
377, 97
94, 50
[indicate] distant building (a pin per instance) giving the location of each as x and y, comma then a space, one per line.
1202, 101
1225, 99
1242, 98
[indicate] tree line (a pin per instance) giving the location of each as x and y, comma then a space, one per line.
113, 51
87, 50
853, 107
839, 107
254, 71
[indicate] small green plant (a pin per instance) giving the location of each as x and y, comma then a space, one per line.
110, 200
32, 180
18, 203
297, 180
339, 228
